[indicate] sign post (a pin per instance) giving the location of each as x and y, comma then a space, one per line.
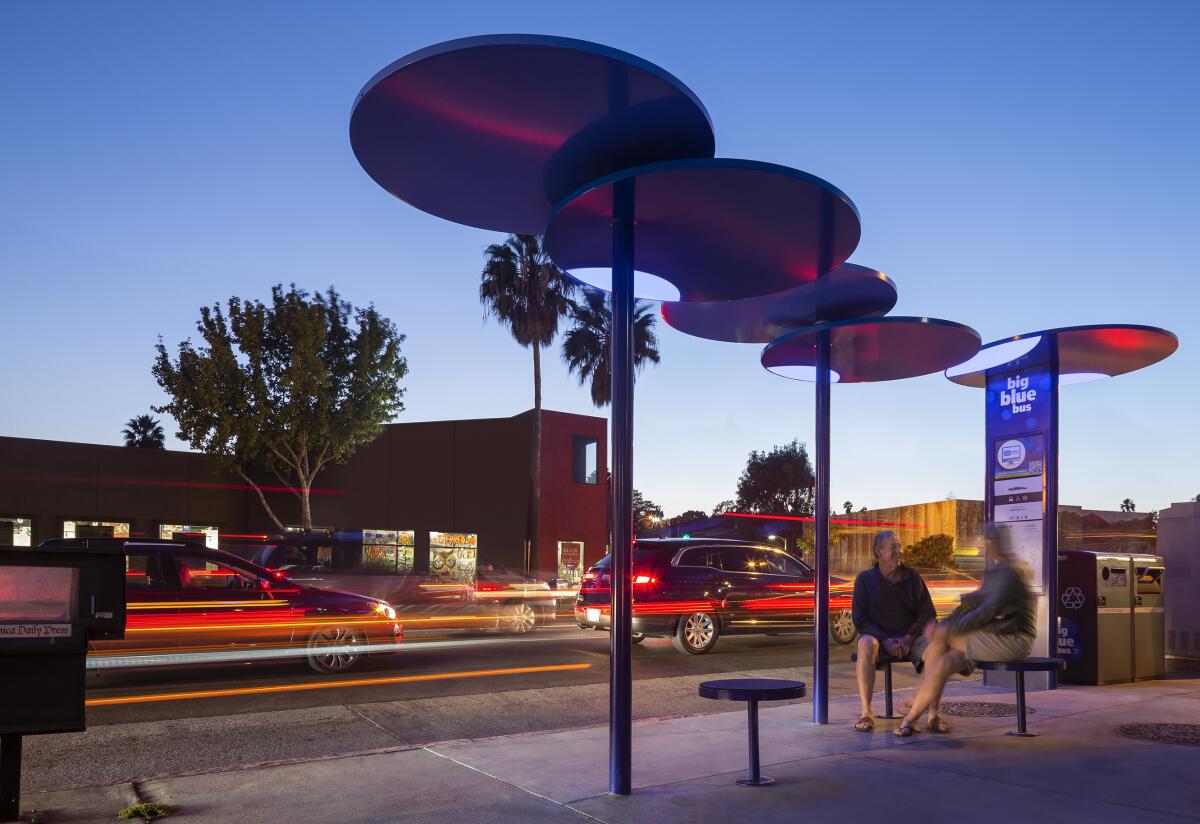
1021, 482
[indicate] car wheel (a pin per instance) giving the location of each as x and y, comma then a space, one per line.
696, 634
335, 649
518, 619
841, 627
638, 637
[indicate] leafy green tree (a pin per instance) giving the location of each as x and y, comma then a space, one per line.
931, 552
687, 517
646, 513
587, 344
144, 432
779, 482
285, 387
1128, 505
524, 290
724, 506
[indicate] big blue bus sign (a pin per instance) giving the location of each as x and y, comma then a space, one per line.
1021, 480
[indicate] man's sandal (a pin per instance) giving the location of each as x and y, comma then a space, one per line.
905, 730
865, 724
939, 725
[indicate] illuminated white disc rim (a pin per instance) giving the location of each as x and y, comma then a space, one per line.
996, 355
801, 372
645, 285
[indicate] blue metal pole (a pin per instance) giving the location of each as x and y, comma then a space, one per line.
821, 536
620, 719
1050, 534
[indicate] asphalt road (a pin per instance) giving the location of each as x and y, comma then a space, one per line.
143, 724
439, 657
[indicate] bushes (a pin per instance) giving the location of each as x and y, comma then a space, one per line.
933, 552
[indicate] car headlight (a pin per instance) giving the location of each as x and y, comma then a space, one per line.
385, 610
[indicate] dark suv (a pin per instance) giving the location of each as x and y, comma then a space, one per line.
695, 590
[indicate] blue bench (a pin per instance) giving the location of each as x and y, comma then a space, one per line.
1020, 668
753, 690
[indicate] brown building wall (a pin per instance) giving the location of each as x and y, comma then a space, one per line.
446, 476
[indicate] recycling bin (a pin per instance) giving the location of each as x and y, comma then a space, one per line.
1095, 626
1149, 618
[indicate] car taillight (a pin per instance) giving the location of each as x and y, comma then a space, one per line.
589, 576
644, 580
488, 586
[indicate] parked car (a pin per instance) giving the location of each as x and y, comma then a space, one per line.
695, 590
187, 603
493, 597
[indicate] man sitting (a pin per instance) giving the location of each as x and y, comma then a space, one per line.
891, 608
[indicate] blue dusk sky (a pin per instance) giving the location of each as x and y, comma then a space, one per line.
1017, 166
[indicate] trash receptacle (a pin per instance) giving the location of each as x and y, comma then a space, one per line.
1149, 618
1095, 630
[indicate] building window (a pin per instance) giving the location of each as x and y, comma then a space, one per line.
181, 532
452, 555
388, 550
584, 452
16, 531
95, 529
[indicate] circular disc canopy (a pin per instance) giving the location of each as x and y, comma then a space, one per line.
717, 229
849, 291
493, 131
1085, 353
874, 349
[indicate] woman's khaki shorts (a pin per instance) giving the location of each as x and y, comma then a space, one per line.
988, 646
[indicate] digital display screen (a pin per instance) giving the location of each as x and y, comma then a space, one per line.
1018, 456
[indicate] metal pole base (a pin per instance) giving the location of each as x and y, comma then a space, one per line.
10, 777
890, 711
1026, 734
761, 781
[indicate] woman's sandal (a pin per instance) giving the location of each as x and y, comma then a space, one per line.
865, 724
939, 725
905, 730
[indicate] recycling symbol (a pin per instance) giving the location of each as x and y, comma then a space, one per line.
1072, 598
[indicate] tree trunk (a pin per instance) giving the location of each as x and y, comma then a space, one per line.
305, 509
535, 496
262, 498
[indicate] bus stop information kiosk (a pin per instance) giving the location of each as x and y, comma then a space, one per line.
51, 604
1022, 376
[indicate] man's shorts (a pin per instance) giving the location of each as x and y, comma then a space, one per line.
988, 646
916, 653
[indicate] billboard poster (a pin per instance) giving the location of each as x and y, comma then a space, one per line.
570, 561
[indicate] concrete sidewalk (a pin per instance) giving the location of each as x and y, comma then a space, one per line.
1080, 769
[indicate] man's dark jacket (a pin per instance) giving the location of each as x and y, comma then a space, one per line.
886, 610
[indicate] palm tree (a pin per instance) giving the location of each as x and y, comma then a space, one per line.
143, 432
587, 343
1128, 505
522, 288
